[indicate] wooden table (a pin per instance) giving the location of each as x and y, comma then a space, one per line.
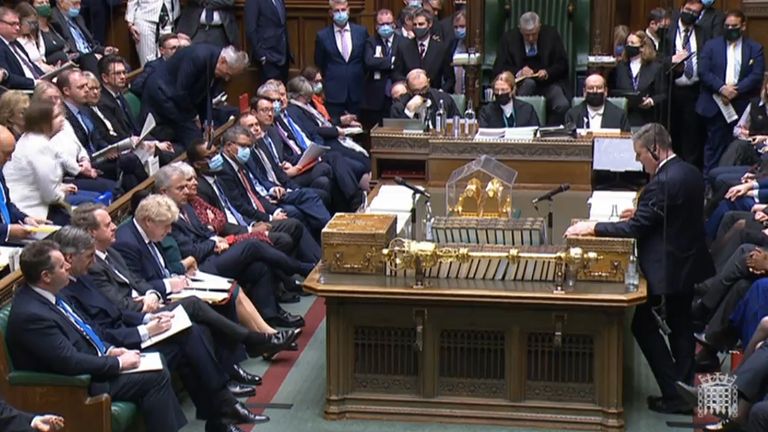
541, 163
469, 351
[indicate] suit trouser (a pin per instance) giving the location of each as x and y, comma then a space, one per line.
735, 269
307, 207
337, 109
673, 362
686, 126
153, 393
720, 333
271, 70
304, 247
719, 135
191, 355
214, 35
758, 417
149, 32
752, 376
255, 277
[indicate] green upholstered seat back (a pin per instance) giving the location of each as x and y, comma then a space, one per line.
5, 311
539, 105
461, 102
134, 104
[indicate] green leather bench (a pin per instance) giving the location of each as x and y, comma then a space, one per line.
60, 394
461, 102
134, 104
539, 105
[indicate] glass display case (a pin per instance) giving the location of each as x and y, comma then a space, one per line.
481, 188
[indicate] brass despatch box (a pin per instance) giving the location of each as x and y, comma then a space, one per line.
352, 242
614, 257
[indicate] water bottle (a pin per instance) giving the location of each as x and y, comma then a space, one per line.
428, 220
440, 119
632, 275
456, 126
470, 119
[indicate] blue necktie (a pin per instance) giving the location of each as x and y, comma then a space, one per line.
156, 255
532, 51
220, 191
4, 206
296, 132
81, 42
259, 187
86, 329
272, 149
88, 125
208, 16
688, 67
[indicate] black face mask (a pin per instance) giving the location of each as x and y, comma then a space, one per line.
595, 99
631, 51
503, 98
661, 32
421, 32
732, 34
688, 18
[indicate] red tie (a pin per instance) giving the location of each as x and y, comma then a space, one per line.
249, 189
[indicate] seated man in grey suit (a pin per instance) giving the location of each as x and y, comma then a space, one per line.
596, 112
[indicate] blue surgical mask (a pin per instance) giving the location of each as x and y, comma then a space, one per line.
277, 106
414, 3
243, 154
341, 18
216, 163
73, 12
461, 32
385, 31
707, 3
317, 88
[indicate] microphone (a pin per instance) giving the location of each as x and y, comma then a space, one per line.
402, 182
548, 196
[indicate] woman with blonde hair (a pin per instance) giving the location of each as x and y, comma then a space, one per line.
506, 111
639, 78
13, 105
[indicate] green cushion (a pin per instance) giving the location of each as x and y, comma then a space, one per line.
618, 101
461, 102
134, 104
123, 415
539, 105
26, 378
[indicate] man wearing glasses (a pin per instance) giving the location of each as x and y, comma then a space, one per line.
21, 72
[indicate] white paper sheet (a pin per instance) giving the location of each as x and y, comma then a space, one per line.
728, 111
179, 322
150, 361
614, 154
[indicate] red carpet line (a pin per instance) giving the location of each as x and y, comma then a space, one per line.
278, 370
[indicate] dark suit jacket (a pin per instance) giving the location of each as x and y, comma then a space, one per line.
398, 108
668, 226
180, 88
206, 193
437, 62
192, 236
650, 83
138, 260
138, 83
17, 216
492, 116
266, 32
712, 74
59, 23
238, 197
551, 52
117, 290
41, 338
122, 125
189, 21
702, 35
379, 70
16, 78
613, 117
712, 20
13, 420
94, 138
118, 325
343, 79
283, 150
282, 177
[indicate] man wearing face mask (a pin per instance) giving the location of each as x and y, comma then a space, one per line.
422, 101
67, 21
658, 25
428, 52
506, 111
459, 46
339, 53
380, 63
536, 53
731, 69
712, 18
596, 112
683, 38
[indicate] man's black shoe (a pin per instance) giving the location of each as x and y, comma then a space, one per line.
288, 297
275, 343
239, 390
240, 414
243, 376
271, 356
217, 426
285, 319
673, 406
688, 393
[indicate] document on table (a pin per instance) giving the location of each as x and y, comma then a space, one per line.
179, 322
606, 206
207, 281
615, 154
208, 296
149, 362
